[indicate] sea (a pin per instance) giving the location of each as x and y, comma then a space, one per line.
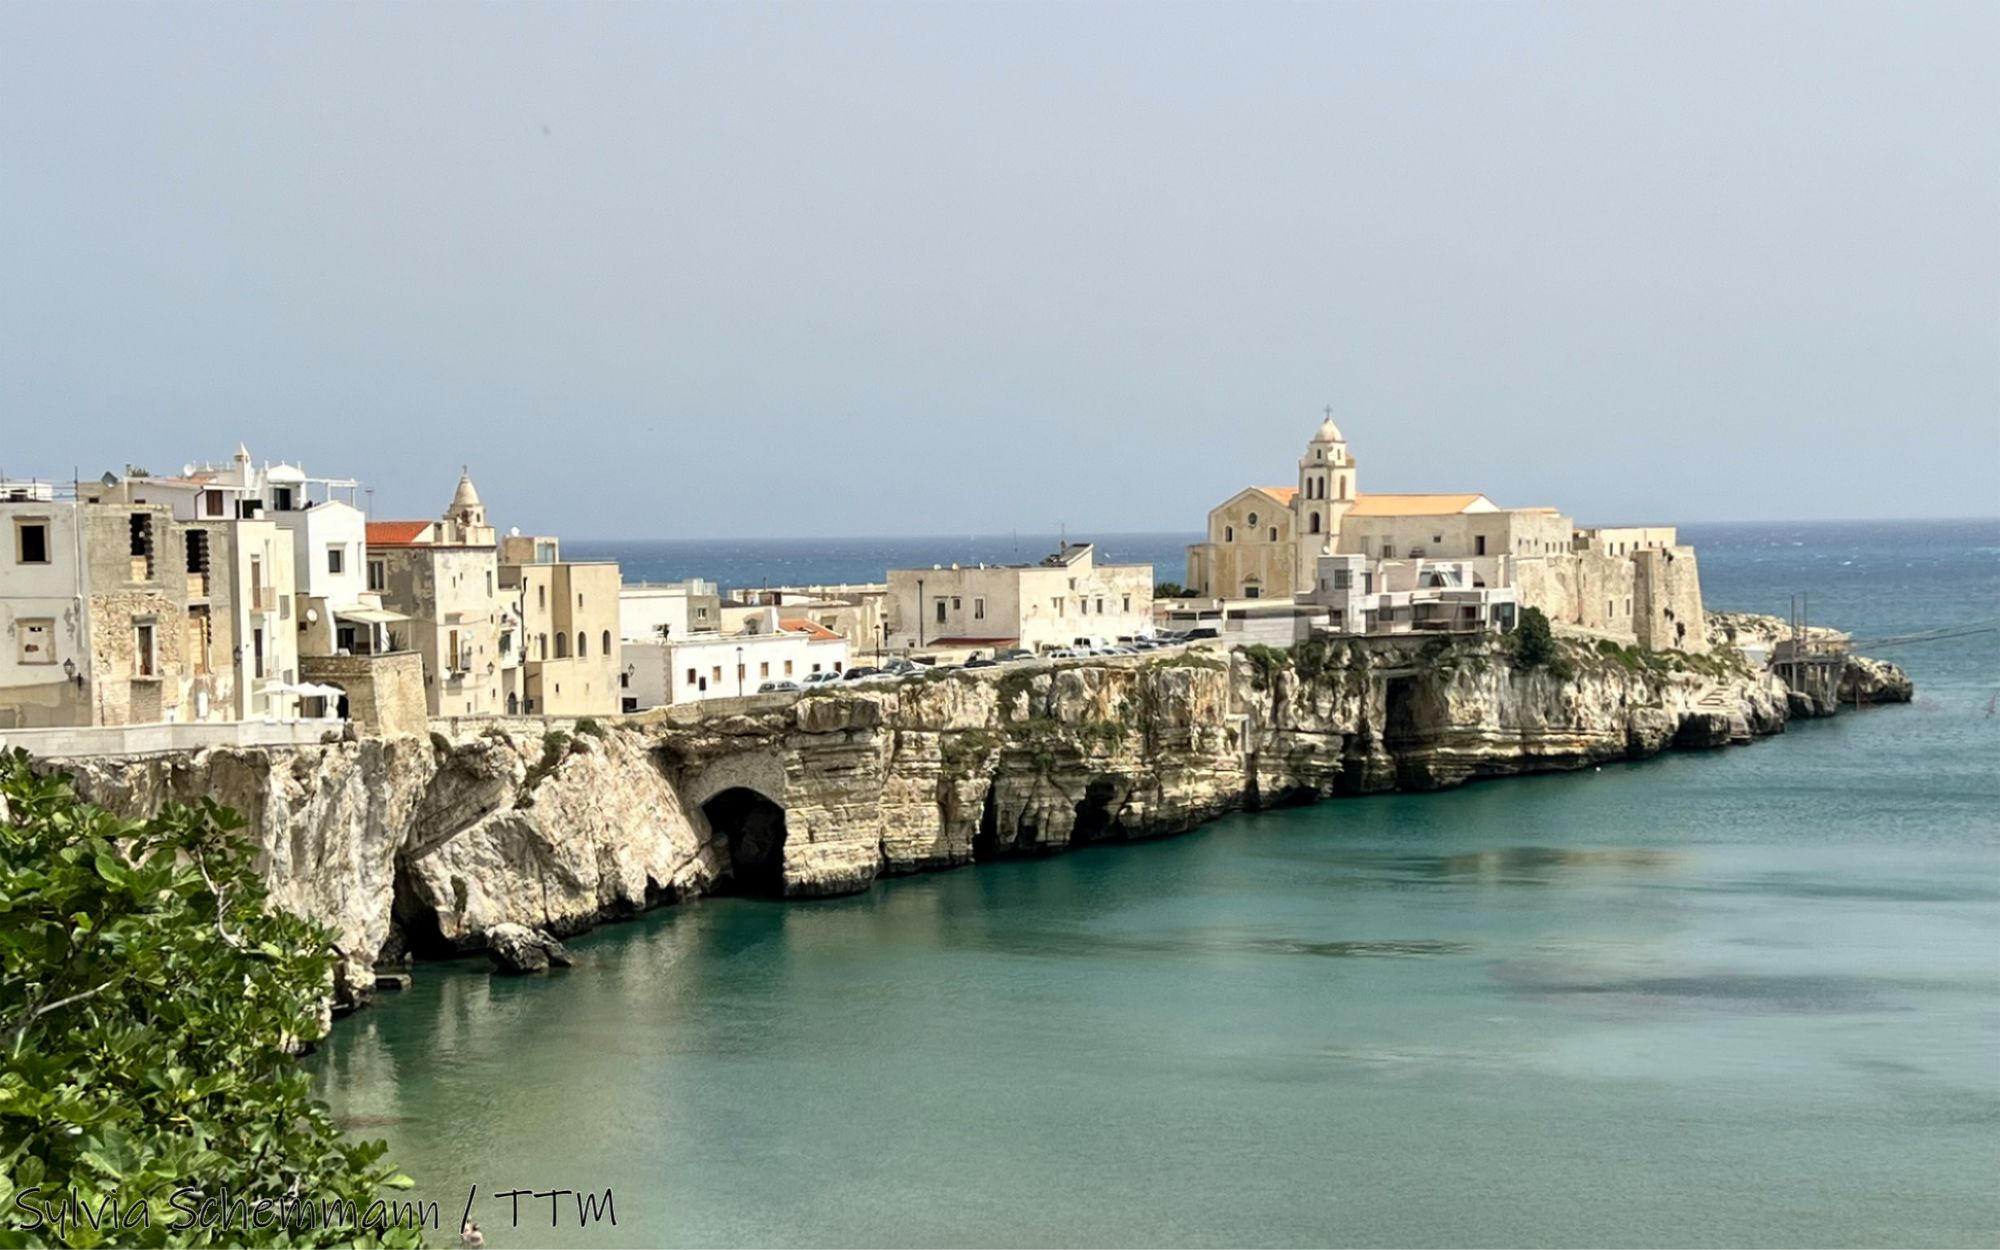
1742, 997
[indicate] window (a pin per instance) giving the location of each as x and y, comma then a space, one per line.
1479, 545
1100, 605
541, 596
940, 611
606, 640
690, 676
562, 646
378, 574
1252, 519
142, 546
31, 542
1342, 579
1437, 538
1127, 605
954, 603
257, 649
1313, 526
281, 499
979, 609
542, 646
38, 641
1229, 533
197, 551
788, 668
336, 558
1274, 533
211, 503
716, 672
582, 644
1388, 551
764, 668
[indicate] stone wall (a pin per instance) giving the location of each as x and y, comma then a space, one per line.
385, 693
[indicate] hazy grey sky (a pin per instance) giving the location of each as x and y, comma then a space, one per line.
667, 271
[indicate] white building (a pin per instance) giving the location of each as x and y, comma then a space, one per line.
1038, 606
1364, 596
654, 610
723, 666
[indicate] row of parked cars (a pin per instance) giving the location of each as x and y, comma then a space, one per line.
1081, 648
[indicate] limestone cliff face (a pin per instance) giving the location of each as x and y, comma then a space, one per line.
426, 846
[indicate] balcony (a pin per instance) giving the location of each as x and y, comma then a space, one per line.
264, 599
198, 585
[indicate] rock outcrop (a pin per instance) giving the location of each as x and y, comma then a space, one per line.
516, 949
437, 846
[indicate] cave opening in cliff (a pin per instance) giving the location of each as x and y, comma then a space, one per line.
1096, 816
1400, 713
986, 843
755, 829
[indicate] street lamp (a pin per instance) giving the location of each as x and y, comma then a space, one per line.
739, 672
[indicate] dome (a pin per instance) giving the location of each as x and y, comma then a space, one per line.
1328, 432
465, 496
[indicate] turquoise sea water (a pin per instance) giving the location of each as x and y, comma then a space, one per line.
1742, 997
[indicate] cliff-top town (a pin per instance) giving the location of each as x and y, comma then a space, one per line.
260, 600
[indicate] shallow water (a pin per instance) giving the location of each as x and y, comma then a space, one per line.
1749, 996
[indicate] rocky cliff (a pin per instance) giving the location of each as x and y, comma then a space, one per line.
425, 846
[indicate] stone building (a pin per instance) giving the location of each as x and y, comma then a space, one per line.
116, 612
1038, 606
569, 625
1630, 584
442, 577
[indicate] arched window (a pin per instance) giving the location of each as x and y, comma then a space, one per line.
1343, 486
1274, 533
542, 646
1315, 523
582, 644
513, 704
607, 642
562, 646
1229, 533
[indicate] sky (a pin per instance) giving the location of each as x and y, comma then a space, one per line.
665, 271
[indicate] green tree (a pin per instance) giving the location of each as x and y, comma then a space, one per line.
1533, 641
1171, 590
151, 1007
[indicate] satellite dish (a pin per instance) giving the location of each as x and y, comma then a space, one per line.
513, 531
109, 478
312, 616
187, 470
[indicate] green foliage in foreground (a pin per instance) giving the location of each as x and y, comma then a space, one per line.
150, 1006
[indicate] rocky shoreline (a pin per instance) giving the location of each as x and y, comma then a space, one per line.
433, 846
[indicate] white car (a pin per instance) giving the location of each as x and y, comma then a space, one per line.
821, 679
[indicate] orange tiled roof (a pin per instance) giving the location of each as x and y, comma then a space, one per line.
800, 625
1369, 504
395, 533
1283, 494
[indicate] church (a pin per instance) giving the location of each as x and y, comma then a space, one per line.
1629, 584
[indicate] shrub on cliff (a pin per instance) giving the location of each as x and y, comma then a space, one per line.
1534, 645
150, 1005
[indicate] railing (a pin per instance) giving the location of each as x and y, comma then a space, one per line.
81, 740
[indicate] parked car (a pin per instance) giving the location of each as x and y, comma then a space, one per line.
861, 672
1063, 653
778, 687
1206, 631
980, 661
825, 677
1007, 655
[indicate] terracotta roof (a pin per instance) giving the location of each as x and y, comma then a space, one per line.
1283, 494
800, 625
396, 533
1368, 504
